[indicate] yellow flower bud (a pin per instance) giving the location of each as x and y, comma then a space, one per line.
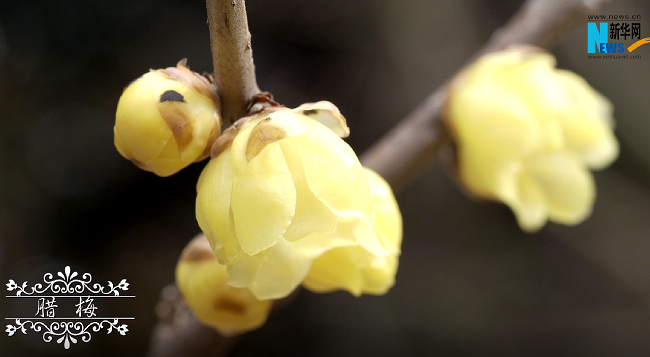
202, 282
285, 191
167, 119
527, 133
357, 270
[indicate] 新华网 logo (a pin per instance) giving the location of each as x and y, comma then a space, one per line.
614, 37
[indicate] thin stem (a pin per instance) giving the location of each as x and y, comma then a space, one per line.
179, 334
230, 42
407, 150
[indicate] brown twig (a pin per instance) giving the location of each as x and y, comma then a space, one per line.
405, 151
234, 71
399, 156
179, 334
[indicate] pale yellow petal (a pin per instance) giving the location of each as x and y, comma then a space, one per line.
388, 219
567, 185
231, 250
243, 270
262, 130
213, 200
365, 267
588, 121
333, 171
316, 244
353, 269
312, 216
277, 126
364, 232
263, 200
481, 121
336, 269
379, 276
280, 273
530, 205
240, 143
327, 114
486, 176
601, 154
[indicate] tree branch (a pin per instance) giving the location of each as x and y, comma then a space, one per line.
399, 156
405, 151
234, 71
179, 334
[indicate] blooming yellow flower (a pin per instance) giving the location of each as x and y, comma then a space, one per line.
202, 282
167, 119
527, 134
355, 269
286, 190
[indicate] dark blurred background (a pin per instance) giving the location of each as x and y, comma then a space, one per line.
470, 282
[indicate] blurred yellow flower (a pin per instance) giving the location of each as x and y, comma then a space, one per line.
285, 191
202, 282
167, 119
527, 133
358, 270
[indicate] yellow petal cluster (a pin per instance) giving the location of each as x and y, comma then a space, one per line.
527, 134
358, 270
167, 119
202, 282
285, 191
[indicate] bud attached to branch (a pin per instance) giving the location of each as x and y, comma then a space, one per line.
527, 133
283, 190
167, 119
202, 282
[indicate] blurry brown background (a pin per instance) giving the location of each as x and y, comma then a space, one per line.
470, 282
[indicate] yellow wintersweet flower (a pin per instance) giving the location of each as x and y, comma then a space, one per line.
202, 282
527, 134
286, 190
167, 119
358, 270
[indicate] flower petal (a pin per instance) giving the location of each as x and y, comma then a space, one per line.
279, 125
388, 219
263, 200
243, 271
280, 273
587, 122
530, 204
567, 185
316, 244
481, 121
336, 269
365, 235
486, 176
312, 216
240, 142
333, 171
327, 114
379, 275
213, 200
231, 249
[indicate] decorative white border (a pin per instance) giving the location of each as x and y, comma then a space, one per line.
68, 330
67, 284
